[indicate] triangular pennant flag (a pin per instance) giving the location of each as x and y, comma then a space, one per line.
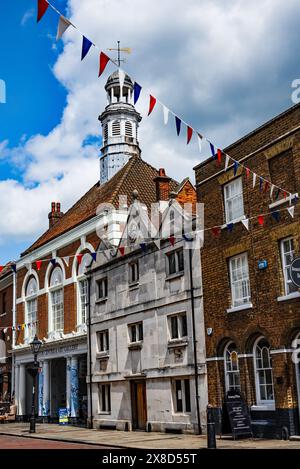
79, 258
276, 215
178, 124
219, 153
14, 268
94, 256
172, 240
295, 199
230, 227
38, 264
23, 327
186, 238
226, 162
42, 8
66, 260
235, 167
291, 211
166, 114
266, 186
272, 190
285, 194
136, 92
277, 194
53, 262
121, 78
152, 103
247, 172
216, 231
103, 61
157, 243
199, 138
143, 247
122, 250
254, 180
246, 223
260, 183
1, 268
212, 149
63, 24
5, 330
260, 220
86, 45
189, 134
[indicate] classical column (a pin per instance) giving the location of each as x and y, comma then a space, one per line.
68, 385
46, 393
41, 388
22, 390
17, 372
74, 387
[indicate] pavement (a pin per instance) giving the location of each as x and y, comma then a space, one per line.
138, 440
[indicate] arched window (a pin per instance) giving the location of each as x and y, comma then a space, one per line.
263, 372
116, 128
31, 309
231, 363
57, 300
83, 289
128, 129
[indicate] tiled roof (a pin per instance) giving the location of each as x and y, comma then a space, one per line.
136, 174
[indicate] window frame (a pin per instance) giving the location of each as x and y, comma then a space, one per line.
179, 261
139, 332
226, 199
179, 327
136, 268
235, 303
104, 398
186, 409
285, 266
105, 334
227, 372
99, 282
29, 299
54, 290
262, 402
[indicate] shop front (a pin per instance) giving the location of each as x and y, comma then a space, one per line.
60, 384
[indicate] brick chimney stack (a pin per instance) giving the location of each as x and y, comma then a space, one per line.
55, 214
162, 183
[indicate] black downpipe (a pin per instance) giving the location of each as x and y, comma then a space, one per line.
90, 351
194, 341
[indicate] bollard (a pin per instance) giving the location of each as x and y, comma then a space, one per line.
211, 430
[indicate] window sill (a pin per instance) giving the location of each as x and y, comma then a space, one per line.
99, 301
134, 285
102, 355
174, 276
263, 407
178, 343
104, 413
239, 308
236, 220
290, 296
135, 345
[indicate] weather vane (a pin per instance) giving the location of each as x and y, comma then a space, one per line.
119, 50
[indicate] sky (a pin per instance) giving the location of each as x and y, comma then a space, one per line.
223, 67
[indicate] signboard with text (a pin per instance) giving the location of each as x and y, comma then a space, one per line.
63, 416
295, 272
239, 416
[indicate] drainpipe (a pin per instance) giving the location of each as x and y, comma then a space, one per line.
90, 350
194, 341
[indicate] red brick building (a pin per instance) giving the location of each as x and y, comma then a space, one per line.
252, 309
6, 320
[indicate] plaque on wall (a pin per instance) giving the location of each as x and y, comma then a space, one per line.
239, 415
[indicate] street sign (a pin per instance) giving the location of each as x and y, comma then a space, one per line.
239, 416
295, 272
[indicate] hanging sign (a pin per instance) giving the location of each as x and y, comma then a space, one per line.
295, 272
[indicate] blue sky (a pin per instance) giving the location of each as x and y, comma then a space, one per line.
224, 67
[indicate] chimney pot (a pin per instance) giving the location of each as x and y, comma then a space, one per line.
53, 207
162, 183
58, 207
55, 214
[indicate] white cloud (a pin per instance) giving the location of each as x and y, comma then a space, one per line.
214, 63
27, 15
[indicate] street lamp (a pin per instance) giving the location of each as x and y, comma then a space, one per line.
35, 348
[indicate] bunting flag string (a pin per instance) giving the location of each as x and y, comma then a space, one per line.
18, 327
64, 23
